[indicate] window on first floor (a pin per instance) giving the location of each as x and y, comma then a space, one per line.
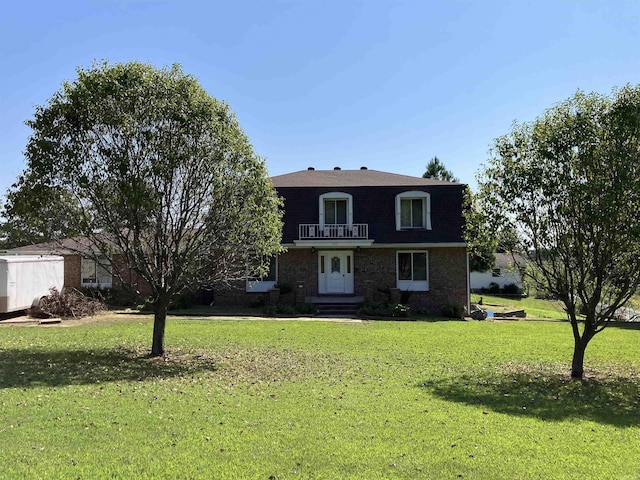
267, 282
495, 272
412, 270
95, 273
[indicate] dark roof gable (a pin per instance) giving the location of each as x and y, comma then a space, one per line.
351, 178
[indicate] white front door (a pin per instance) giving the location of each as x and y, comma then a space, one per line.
335, 272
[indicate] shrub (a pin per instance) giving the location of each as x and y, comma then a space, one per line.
68, 304
258, 302
383, 309
494, 289
182, 302
307, 308
280, 309
114, 297
511, 289
284, 288
269, 310
452, 311
401, 310
287, 309
405, 295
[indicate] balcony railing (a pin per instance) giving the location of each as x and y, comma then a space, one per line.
312, 231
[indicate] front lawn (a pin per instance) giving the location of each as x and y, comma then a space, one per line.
288, 399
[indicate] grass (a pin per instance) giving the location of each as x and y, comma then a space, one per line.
535, 307
288, 399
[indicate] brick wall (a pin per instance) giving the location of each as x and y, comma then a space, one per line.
236, 295
377, 265
72, 271
374, 270
299, 269
123, 274
447, 276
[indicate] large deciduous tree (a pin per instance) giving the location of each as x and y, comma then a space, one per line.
480, 237
35, 212
567, 184
161, 172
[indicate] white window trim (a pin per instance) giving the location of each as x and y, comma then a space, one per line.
412, 285
97, 265
427, 208
336, 196
259, 286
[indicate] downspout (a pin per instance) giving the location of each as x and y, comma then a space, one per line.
468, 286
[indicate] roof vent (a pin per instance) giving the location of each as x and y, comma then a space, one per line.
363, 168
337, 168
310, 168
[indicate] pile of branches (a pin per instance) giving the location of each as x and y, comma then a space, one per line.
68, 304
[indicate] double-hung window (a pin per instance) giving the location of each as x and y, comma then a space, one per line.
413, 211
412, 270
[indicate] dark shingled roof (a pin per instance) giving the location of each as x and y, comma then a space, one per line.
351, 178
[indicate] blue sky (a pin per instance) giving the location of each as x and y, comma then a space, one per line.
383, 84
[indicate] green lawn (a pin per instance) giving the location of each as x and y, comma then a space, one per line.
535, 307
291, 399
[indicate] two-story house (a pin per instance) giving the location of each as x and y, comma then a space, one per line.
357, 232
351, 234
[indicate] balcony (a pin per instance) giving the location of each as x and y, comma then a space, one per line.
316, 231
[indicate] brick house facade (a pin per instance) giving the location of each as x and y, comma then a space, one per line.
365, 232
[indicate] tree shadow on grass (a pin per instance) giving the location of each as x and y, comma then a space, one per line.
52, 368
546, 394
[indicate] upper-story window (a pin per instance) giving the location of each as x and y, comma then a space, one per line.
335, 211
336, 208
413, 211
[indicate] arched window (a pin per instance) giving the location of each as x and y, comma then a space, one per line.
413, 211
336, 208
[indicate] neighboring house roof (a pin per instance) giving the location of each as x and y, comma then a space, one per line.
351, 178
508, 260
68, 245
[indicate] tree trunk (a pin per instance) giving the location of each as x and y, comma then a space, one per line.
159, 322
577, 369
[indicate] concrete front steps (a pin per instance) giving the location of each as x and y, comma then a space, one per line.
336, 305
